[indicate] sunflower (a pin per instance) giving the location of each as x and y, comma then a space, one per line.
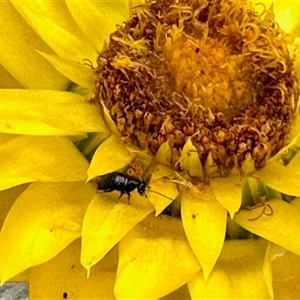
197, 98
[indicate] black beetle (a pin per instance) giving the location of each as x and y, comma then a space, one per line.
123, 183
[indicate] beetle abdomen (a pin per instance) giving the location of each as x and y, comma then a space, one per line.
107, 181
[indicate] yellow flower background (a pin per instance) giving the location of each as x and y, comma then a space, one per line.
57, 230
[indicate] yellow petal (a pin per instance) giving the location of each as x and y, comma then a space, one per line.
24, 276
296, 202
106, 221
47, 113
204, 221
237, 274
166, 189
163, 186
294, 134
42, 222
181, 293
18, 55
134, 3
106, 15
64, 278
4, 138
190, 161
155, 259
285, 269
288, 155
109, 121
228, 191
44, 17
293, 165
7, 199
267, 270
57, 11
248, 165
280, 178
29, 158
282, 9
8, 81
283, 223
111, 155
78, 73
88, 146
297, 53
164, 154
117, 7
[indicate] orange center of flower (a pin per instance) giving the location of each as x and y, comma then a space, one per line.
206, 73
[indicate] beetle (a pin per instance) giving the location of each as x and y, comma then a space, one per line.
116, 181
123, 183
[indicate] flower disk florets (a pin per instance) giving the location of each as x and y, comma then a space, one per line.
214, 71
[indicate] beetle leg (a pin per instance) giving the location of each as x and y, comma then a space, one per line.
128, 197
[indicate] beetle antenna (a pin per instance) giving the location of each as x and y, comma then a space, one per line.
182, 181
160, 194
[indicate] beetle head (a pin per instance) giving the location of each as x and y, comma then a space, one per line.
142, 188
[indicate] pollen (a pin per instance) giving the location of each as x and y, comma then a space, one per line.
217, 72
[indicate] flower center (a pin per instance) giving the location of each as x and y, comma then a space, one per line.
216, 72
205, 72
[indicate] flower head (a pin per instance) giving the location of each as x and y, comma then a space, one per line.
205, 87
216, 72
